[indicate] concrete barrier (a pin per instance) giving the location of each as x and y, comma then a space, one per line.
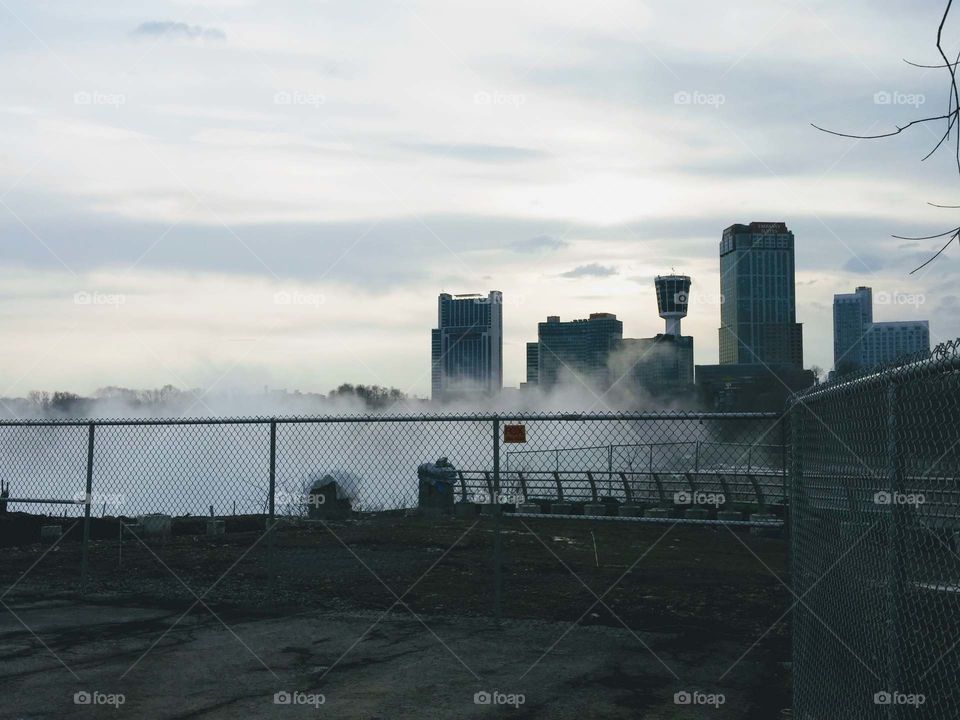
695, 513
729, 515
50, 532
466, 509
658, 512
561, 508
216, 527
765, 531
529, 507
630, 511
155, 527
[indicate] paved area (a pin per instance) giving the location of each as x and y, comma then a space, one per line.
351, 665
600, 621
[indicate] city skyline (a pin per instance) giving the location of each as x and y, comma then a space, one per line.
576, 350
434, 359
287, 217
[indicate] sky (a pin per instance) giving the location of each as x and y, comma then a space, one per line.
237, 194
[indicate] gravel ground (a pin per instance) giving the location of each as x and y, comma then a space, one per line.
658, 610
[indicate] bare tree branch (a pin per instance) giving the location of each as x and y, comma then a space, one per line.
952, 116
955, 236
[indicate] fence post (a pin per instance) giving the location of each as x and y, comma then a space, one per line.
786, 437
271, 517
497, 520
610, 471
86, 509
798, 554
895, 559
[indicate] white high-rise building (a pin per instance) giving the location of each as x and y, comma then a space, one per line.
852, 318
859, 342
886, 342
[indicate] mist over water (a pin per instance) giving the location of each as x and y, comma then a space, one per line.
184, 469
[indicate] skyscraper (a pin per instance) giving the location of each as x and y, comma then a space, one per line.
467, 346
859, 342
533, 363
577, 350
852, 317
758, 310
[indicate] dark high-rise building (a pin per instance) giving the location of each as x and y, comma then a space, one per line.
577, 349
467, 346
533, 363
660, 365
742, 387
758, 310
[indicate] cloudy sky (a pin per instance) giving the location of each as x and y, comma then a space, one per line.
238, 193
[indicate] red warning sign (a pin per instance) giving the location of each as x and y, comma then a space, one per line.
514, 433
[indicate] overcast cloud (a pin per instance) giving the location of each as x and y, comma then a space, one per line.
194, 163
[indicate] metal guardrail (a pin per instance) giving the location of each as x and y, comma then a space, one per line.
658, 488
751, 450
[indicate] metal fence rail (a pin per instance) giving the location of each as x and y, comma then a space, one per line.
197, 467
680, 456
875, 514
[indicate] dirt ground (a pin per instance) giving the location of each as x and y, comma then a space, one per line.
392, 617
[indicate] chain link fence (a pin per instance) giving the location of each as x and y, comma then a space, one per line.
875, 514
197, 468
172, 475
242, 509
